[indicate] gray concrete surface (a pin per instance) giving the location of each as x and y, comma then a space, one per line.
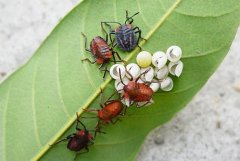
208, 129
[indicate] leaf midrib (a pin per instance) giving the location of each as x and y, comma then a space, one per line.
93, 97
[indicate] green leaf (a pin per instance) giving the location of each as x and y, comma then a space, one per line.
39, 101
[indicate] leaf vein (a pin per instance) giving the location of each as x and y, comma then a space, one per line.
59, 89
143, 18
5, 121
115, 9
210, 16
161, 4
205, 53
39, 144
84, 64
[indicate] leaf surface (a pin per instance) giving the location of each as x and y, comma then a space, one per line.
39, 101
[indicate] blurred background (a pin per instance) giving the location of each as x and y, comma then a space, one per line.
207, 129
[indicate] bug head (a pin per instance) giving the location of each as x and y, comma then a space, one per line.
81, 132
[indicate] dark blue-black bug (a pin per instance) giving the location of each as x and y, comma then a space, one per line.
127, 37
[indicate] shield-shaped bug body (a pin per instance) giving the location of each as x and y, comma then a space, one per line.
126, 37
101, 52
109, 112
79, 140
136, 92
125, 34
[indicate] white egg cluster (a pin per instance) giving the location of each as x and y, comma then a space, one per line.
153, 70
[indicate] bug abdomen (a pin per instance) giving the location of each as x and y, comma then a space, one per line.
100, 50
126, 39
114, 108
76, 144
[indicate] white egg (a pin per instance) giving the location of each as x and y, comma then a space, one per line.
175, 68
148, 76
115, 71
133, 70
155, 86
161, 73
159, 59
174, 53
119, 85
167, 84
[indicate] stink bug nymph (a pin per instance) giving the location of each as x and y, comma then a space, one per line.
125, 34
79, 140
101, 52
136, 92
110, 110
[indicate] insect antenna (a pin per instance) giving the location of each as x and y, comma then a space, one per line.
129, 73
130, 19
121, 77
142, 74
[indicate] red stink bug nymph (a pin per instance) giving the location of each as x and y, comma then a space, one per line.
79, 140
125, 34
136, 92
110, 110
101, 52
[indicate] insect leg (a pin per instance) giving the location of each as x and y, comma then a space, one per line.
92, 111
153, 81
98, 129
107, 23
77, 153
124, 111
65, 139
143, 104
114, 45
111, 39
88, 117
106, 39
78, 121
119, 58
101, 97
105, 71
115, 121
114, 59
105, 32
90, 143
109, 99
85, 39
139, 31
139, 36
86, 59
85, 42
117, 55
